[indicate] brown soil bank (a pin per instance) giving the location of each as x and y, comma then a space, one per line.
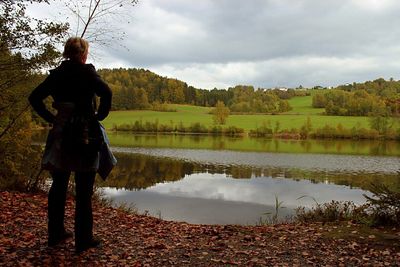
137, 240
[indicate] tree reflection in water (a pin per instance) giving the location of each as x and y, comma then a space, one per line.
137, 171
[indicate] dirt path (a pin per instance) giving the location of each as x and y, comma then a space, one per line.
137, 240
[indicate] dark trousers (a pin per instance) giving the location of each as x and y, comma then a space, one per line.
84, 182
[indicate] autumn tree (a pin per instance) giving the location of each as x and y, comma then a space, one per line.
379, 120
362, 99
349, 103
283, 106
220, 113
26, 46
306, 128
318, 100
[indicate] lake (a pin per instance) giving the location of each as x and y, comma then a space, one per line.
221, 180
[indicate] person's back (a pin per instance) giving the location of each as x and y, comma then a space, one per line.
73, 86
73, 82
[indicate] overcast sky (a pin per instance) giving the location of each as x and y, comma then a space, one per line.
265, 43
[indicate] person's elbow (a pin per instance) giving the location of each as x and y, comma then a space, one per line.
104, 110
102, 114
34, 101
108, 100
31, 99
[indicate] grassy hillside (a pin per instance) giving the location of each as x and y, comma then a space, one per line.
191, 114
302, 105
185, 114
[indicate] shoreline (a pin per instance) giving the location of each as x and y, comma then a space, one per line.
279, 136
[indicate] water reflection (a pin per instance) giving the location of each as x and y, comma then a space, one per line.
214, 198
352, 147
312, 162
201, 192
140, 171
203, 179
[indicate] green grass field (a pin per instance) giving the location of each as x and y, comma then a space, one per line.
191, 114
185, 114
302, 105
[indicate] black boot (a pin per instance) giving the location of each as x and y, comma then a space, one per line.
94, 243
57, 239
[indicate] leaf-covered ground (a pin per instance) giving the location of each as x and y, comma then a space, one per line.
138, 240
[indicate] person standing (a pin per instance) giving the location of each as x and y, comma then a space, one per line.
73, 144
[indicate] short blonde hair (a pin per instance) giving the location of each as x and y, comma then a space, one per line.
75, 48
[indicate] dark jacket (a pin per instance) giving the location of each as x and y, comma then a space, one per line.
73, 87
75, 83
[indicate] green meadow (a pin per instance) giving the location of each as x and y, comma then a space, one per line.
188, 115
302, 106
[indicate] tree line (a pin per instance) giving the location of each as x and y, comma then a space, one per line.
372, 98
141, 89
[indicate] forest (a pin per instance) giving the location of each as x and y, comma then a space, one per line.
143, 89
377, 98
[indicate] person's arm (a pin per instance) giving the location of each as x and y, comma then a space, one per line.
38, 95
104, 92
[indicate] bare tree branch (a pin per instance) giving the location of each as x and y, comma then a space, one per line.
102, 16
92, 15
13, 121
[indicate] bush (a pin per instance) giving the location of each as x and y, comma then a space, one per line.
327, 212
384, 205
325, 132
164, 128
162, 107
215, 130
197, 128
261, 132
382, 209
180, 128
342, 132
264, 131
138, 126
20, 161
288, 134
354, 133
362, 133
233, 131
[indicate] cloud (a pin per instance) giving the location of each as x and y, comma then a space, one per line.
374, 5
265, 43
291, 71
260, 190
238, 31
